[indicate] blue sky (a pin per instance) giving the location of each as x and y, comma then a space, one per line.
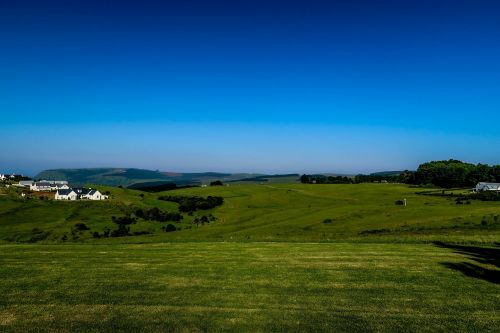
257, 86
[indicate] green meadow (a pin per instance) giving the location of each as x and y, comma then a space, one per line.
275, 257
277, 213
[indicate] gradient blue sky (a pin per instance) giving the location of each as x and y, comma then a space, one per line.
257, 86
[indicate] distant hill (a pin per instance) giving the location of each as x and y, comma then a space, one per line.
102, 176
387, 173
129, 177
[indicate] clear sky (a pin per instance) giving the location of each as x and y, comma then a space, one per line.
248, 86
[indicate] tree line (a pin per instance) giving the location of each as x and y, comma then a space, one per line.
447, 174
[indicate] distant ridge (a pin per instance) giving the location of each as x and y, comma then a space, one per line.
132, 177
387, 173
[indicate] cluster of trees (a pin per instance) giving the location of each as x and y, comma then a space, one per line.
447, 174
454, 173
203, 220
216, 183
321, 179
192, 204
158, 187
156, 214
403, 177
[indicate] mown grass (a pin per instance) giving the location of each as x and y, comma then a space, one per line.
238, 287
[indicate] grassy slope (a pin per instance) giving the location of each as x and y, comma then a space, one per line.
241, 287
254, 286
278, 212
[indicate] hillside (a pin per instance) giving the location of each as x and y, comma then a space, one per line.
271, 258
128, 176
267, 212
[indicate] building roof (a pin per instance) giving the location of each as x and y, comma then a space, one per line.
81, 190
42, 184
64, 192
488, 186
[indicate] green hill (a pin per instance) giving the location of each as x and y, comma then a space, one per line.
268, 212
271, 258
128, 176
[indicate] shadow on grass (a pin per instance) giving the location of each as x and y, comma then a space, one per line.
482, 255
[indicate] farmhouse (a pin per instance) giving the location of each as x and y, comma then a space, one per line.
481, 187
79, 193
40, 186
2, 177
66, 194
94, 195
46, 185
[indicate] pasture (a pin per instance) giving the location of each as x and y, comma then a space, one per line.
276, 257
277, 213
281, 287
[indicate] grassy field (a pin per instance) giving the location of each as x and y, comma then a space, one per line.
278, 212
269, 262
255, 287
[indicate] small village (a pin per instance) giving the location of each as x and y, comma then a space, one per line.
55, 189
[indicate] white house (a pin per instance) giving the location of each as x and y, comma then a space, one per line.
481, 187
79, 193
46, 185
2, 176
41, 186
66, 194
94, 195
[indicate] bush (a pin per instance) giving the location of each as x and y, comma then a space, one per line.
191, 204
399, 203
95, 234
170, 228
327, 221
123, 220
81, 227
156, 214
123, 230
216, 183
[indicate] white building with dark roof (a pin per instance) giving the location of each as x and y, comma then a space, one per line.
48, 185
94, 195
79, 193
66, 194
483, 186
41, 187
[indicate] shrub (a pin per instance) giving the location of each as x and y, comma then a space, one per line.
156, 214
95, 234
216, 183
123, 230
191, 204
123, 220
81, 227
327, 221
170, 228
399, 203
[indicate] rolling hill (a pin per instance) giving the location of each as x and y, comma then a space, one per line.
129, 176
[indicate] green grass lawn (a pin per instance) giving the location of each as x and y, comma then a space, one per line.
254, 287
267, 263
